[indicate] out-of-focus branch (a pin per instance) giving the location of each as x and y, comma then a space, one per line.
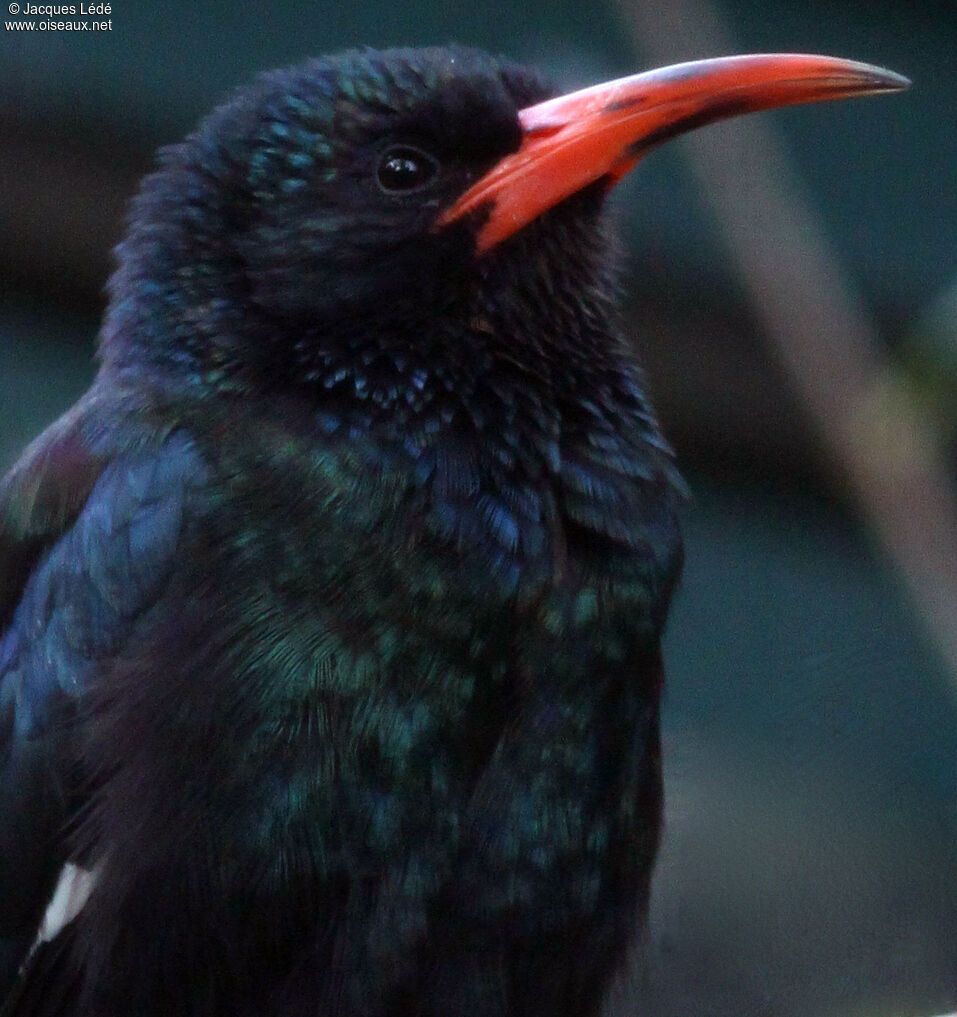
882, 448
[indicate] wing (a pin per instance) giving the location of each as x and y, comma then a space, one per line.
90, 520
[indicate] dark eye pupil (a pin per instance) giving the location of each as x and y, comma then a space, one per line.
405, 169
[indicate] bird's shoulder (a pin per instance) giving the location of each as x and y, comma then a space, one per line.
90, 517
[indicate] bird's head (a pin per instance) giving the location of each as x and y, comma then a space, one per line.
306, 208
345, 166
387, 193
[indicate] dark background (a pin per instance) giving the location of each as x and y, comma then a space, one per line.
810, 860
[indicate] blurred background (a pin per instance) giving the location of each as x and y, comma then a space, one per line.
792, 287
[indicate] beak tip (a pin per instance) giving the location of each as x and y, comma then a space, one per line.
891, 82
884, 80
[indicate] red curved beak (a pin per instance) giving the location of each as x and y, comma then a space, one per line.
602, 131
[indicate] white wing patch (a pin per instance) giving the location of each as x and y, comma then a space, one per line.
72, 891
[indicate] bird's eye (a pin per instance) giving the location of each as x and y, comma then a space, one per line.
403, 168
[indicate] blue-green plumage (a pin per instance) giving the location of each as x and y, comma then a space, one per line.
329, 620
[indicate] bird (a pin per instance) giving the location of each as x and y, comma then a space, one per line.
331, 615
